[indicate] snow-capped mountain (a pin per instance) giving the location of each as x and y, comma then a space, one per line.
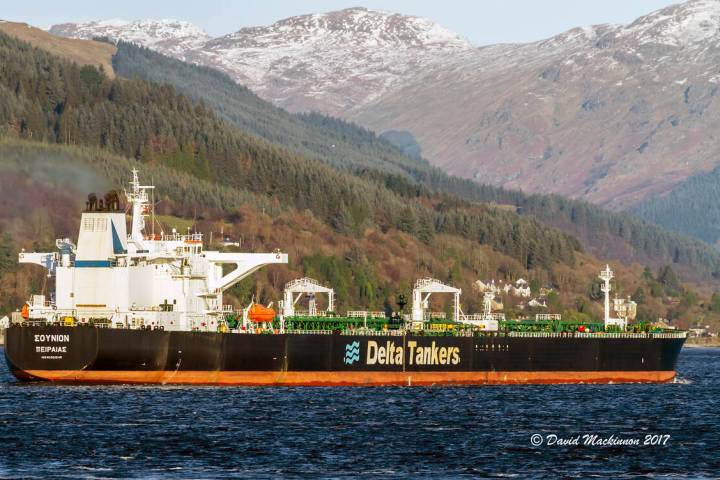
331, 62
611, 113
684, 25
172, 37
334, 61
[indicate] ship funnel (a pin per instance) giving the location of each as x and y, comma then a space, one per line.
102, 237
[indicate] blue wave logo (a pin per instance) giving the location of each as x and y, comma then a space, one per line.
352, 352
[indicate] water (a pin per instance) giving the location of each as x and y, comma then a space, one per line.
130, 431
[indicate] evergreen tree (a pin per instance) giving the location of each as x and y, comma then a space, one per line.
715, 302
669, 280
639, 296
426, 229
8, 256
408, 221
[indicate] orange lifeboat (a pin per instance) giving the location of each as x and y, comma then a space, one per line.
25, 312
260, 314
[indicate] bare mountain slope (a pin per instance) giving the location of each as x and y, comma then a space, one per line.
609, 113
80, 52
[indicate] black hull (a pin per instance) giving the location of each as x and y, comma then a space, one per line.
86, 354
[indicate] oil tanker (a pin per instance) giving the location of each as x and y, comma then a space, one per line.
147, 308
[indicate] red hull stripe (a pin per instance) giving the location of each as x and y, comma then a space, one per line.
342, 378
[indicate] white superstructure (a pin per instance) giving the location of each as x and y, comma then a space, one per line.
165, 281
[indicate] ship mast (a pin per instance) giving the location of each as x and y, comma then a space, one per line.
606, 275
488, 299
141, 206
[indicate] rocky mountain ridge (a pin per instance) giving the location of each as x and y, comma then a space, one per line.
609, 113
330, 62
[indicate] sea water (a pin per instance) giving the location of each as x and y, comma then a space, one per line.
499, 431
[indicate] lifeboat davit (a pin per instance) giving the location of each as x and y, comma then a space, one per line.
258, 313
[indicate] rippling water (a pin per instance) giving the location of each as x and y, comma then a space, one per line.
130, 431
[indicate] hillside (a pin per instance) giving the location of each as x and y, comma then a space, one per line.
346, 146
334, 142
609, 113
81, 52
47, 184
48, 99
352, 230
52, 100
691, 207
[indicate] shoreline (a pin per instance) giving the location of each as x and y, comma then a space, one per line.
702, 342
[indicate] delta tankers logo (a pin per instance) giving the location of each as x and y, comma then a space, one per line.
390, 353
352, 352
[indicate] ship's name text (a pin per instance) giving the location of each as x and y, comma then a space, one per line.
392, 354
52, 338
60, 338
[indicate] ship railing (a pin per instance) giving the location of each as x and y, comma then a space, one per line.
631, 334
178, 237
42, 304
141, 308
309, 332
306, 313
479, 317
82, 316
597, 334
301, 281
461, 333
365, 314
80, 313
450, 332
670, 335
363, 332
400, 332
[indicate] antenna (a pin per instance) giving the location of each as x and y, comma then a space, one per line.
152, 209
488, 299
606, 275
138, 196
